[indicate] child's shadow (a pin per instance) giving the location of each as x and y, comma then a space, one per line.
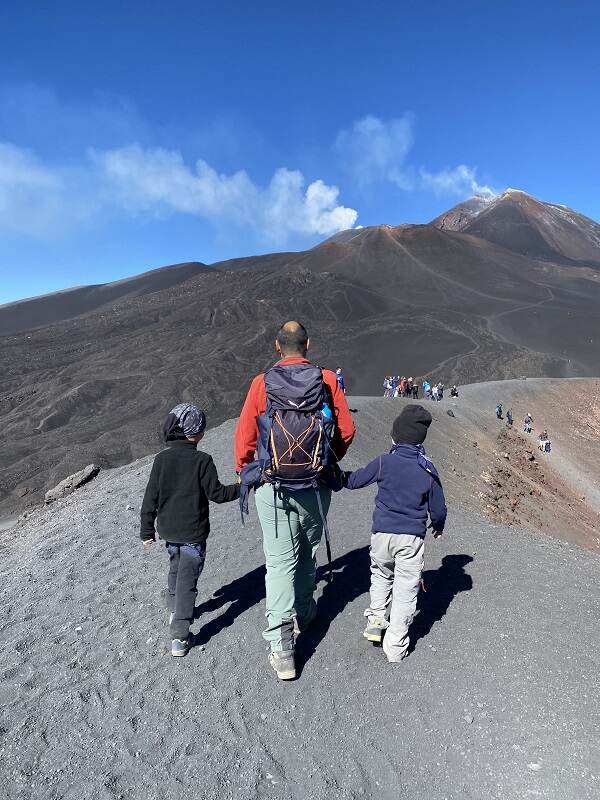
241, 594
442, 586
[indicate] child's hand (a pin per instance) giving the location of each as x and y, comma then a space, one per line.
148, 543
437, 534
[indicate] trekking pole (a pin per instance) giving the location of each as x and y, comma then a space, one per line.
327, 541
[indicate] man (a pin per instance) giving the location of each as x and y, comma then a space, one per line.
291, 519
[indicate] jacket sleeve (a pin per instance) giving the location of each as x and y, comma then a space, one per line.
246, 432
364, 476
437, 505
345, 430
214, 489
150, 505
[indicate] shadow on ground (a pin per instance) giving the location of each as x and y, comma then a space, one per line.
351, 579
241, 594
441, 587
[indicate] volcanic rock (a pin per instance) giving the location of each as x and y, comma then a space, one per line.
72, 482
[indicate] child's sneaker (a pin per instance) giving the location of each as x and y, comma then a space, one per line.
284, 664
374, 630
180, 647
171, 617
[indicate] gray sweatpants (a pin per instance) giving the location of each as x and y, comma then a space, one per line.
396, 567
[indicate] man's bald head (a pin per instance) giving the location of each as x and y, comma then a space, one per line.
292, 339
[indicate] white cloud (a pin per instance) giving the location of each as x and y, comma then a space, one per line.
158, 181
373, 150
458, 181
42, 200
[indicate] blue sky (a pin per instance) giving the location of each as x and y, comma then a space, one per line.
138, 134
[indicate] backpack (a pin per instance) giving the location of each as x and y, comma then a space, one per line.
295, 431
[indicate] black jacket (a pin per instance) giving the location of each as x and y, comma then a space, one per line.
181, 483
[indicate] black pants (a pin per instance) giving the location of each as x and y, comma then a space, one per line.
186, 562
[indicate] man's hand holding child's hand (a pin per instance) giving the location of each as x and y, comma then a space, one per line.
437, 534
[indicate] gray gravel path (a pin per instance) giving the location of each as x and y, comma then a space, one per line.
498, 700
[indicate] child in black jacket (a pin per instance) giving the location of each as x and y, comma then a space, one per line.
182, 481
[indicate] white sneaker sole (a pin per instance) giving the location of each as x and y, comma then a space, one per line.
288, 675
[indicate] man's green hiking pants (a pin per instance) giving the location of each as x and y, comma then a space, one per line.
292, 529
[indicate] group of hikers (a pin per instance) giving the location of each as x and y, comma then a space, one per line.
543, 438
294, 427
400, 386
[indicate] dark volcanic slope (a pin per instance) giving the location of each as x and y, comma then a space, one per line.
412, 299
44, 310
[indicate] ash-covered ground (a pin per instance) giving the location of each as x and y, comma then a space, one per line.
499, 698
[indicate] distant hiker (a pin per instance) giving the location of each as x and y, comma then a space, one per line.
440, 391
284, 421
544, 442
402, 387
409, 387
409, 491
395, 381
182, 481
509, 417
415, 391
340, 379
527, 423
387, 386
454, 391
435, 392
499, 411
426, 389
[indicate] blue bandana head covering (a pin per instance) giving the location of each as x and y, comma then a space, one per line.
184, 420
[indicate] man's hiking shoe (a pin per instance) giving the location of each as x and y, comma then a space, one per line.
284, 664
180, 647
374, 630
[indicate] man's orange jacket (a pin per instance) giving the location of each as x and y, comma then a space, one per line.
246, 432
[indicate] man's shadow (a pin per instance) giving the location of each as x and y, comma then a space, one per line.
241, 594
442, 585
351, 579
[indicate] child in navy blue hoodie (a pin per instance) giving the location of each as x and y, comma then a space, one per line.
410, 492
